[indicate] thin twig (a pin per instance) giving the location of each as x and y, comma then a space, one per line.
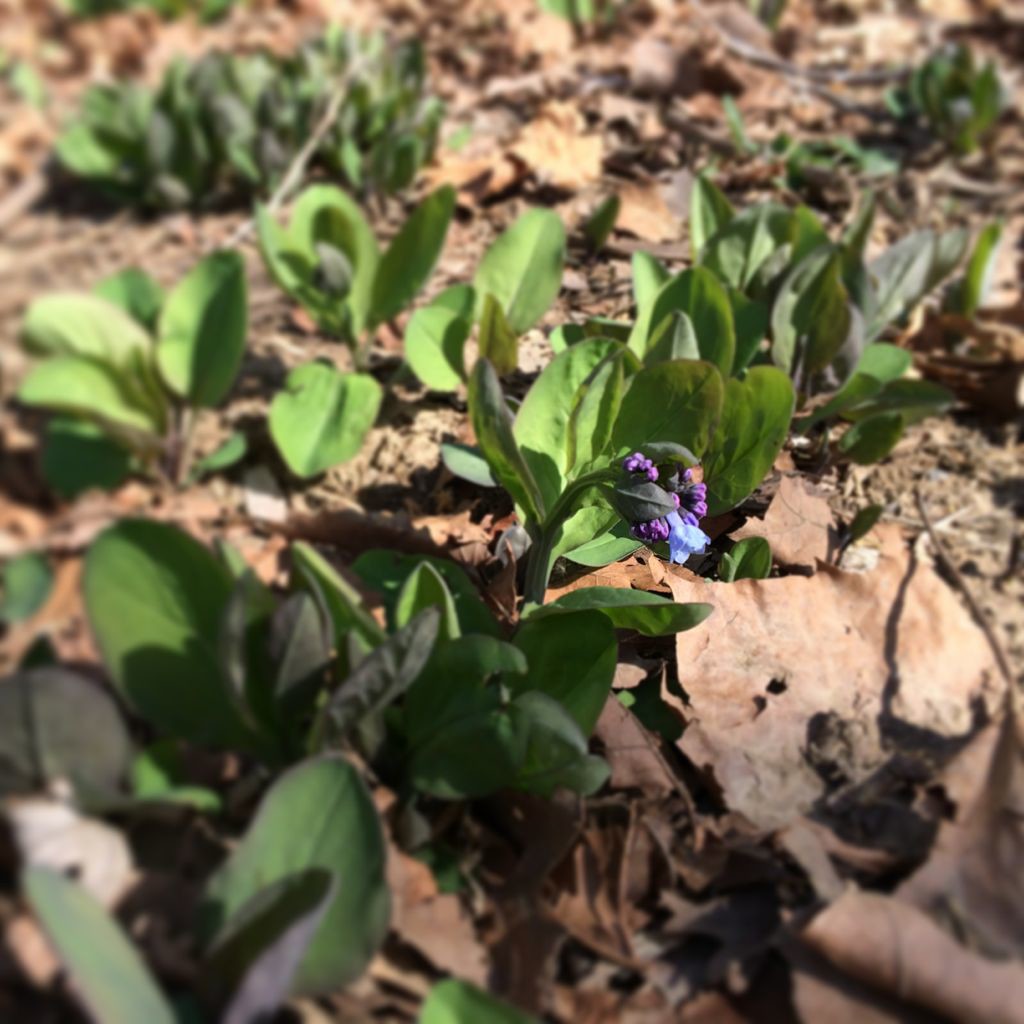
947, 562
296, 172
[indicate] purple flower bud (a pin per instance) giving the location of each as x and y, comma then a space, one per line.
680, 528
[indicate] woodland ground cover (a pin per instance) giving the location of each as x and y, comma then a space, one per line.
510, 511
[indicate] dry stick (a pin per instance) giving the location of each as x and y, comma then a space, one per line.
990, 635
297, 168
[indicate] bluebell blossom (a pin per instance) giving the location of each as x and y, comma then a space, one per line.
681, 528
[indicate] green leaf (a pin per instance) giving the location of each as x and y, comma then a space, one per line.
72, 324
108, 973
27, 581
811, 317
650, 614
457, 1002
84, 386
970, 293
232, 450
325, 214
384, 674
425, 588
751, 322
523, 268
467, 463
913, 399
202, 330
497, 341
251, 970
322, 416
78, 456
901, 276
649, 274
679, 401
572, 660
317, 815
863, 522
601, 222
604, 549
134, 291
57, 725
435, 339
698, 294
154, 599
710, 211
740, 249
749, 559
410, 259
755, 421
879, 363
552, 748
386, 573
313, 573
595, 408
871, 439
542, 425
492, 424
158, 776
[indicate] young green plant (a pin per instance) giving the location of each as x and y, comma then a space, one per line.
126, 370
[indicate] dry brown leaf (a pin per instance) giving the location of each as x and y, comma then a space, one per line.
436, 924
557, 149
898, 949
645, 213
973, 875
798, 525
631, 752
791, 679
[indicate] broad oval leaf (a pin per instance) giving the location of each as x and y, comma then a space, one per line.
113, 982
871, 439
317, 815
410, 259
755, 423
523, 268
650, 614
78, 456
54, 725
73, 324
84, 386
435, 338
202, 330
697, 293
154, 598
811, 316
678, 401
571, 659
322, 416
541, 427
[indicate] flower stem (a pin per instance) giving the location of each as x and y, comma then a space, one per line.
539, 560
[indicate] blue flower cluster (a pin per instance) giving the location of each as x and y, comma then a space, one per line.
681, 528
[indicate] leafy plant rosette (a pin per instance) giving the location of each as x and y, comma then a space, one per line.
230, 125
203, 655
327, 259
125, 370
958, 99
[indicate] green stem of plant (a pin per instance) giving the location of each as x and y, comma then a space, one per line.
539, 560
183, 445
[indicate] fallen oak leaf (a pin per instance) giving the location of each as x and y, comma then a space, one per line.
794, 681
897, 948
